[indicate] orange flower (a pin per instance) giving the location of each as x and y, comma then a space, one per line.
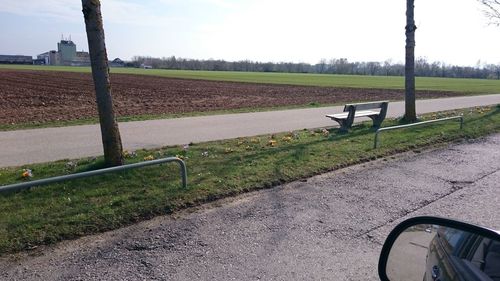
27, 173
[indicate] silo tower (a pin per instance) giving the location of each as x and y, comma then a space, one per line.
67, 50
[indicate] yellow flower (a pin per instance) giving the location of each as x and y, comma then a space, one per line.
255, 140
271, 143
287, 138
149, 158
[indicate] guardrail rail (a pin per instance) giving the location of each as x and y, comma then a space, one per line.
26, 185
375, 141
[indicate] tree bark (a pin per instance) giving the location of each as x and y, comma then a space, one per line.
112, 145
410, 110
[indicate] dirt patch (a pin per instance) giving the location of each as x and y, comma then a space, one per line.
41, 96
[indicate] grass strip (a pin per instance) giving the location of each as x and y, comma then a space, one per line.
45, 215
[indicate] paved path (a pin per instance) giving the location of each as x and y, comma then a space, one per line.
43, 145
329, 227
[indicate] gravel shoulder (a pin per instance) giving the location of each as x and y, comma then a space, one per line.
328, 227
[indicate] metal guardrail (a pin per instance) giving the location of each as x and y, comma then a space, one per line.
375, 142
26, 185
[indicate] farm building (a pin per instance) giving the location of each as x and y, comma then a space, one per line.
66, 54
50, 58
117, 63
15, 59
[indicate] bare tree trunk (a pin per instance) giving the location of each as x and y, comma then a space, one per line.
113, 153
410, 110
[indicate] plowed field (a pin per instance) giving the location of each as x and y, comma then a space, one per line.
41, 96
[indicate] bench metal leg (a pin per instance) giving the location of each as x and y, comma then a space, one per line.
377, 121
345, 124
379, 118
350, 119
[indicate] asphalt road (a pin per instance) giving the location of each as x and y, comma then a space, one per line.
407, 260
43, 145
329, 227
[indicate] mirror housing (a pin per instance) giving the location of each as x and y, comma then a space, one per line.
415, 222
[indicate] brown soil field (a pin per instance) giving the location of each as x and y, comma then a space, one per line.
42, 96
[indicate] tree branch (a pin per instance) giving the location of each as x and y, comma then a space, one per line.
491, 10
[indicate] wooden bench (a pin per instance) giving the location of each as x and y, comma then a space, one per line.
374, 110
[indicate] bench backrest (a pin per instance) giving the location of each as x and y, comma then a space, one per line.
365, 105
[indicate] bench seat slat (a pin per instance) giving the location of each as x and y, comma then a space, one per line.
356, 114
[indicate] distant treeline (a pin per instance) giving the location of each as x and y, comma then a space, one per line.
332, 66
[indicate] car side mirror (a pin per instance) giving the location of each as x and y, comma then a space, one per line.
438, 249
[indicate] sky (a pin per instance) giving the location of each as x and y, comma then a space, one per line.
452, 31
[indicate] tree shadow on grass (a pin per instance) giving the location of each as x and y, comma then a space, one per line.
276, 160
269, 152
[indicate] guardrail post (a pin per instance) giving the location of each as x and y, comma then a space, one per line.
183, 168
375, 144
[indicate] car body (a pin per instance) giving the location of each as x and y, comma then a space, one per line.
456, 255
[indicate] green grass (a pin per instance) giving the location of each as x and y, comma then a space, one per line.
68, 210
323, 80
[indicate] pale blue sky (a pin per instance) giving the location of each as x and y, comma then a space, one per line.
453, 31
